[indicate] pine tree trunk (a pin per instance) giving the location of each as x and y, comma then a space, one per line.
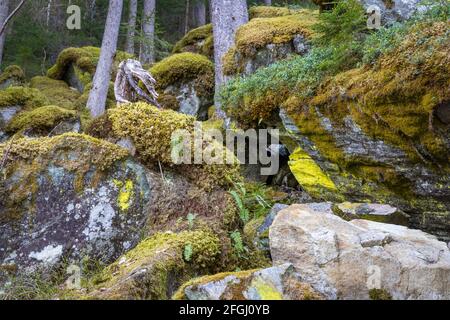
227, 16
199, 12
130, 45
268, 2
147, 55
4, 11
186, 16
97, 97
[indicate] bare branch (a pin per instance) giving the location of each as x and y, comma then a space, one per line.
5, 24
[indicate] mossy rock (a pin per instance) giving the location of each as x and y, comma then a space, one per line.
157, 266
276, 35
57, 92
42, 121
89, 190
27, 98
275, 283
269, 12
199, 40
12, 76
151, 131
77, 66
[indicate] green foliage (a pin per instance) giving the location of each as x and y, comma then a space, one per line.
238, 243
188, 251
191, 220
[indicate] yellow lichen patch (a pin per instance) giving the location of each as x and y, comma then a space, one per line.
266, 291
42, 119
201, 37
185, 67
57, 92
126, 193
308, 174
28, 98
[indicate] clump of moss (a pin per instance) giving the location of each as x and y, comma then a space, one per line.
260, 32
84, 60
151, 130
42, 119
184, 67
269, 12
379, 294
57, 91
199, 40
28, 98
13, 73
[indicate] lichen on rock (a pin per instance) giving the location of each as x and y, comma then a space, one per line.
12, 76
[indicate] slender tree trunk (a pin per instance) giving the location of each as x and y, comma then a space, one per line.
227, 16
4, 11
130, 45
148, 29
97, 97
199, 13
268, 2
186, 16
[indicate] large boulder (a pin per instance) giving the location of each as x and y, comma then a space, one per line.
199, 40
394, 10
264, 41
12, 76
67, 198
360, 259
275, 283
186, 83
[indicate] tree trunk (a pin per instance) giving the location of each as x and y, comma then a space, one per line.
268, 2
148, 30
4, 11
227, 16
97, 97
130, 45
186, 16
199, 13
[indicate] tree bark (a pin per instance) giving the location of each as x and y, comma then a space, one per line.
186, 16
268, 2
147, 55
130, 45
227, 16
4, 11
199, 12
97, 97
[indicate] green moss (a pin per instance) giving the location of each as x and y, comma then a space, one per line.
162, 256
309, 175
151, 130
185, 67
379, 294
14, 73
57, 92
394, 99
269, 12
84, 60
42, 119
188, 43
28, 98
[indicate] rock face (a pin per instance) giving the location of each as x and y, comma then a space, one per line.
360, 258
394, 10
271, 53
6, 115
371, 211
275, 283
71, 197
